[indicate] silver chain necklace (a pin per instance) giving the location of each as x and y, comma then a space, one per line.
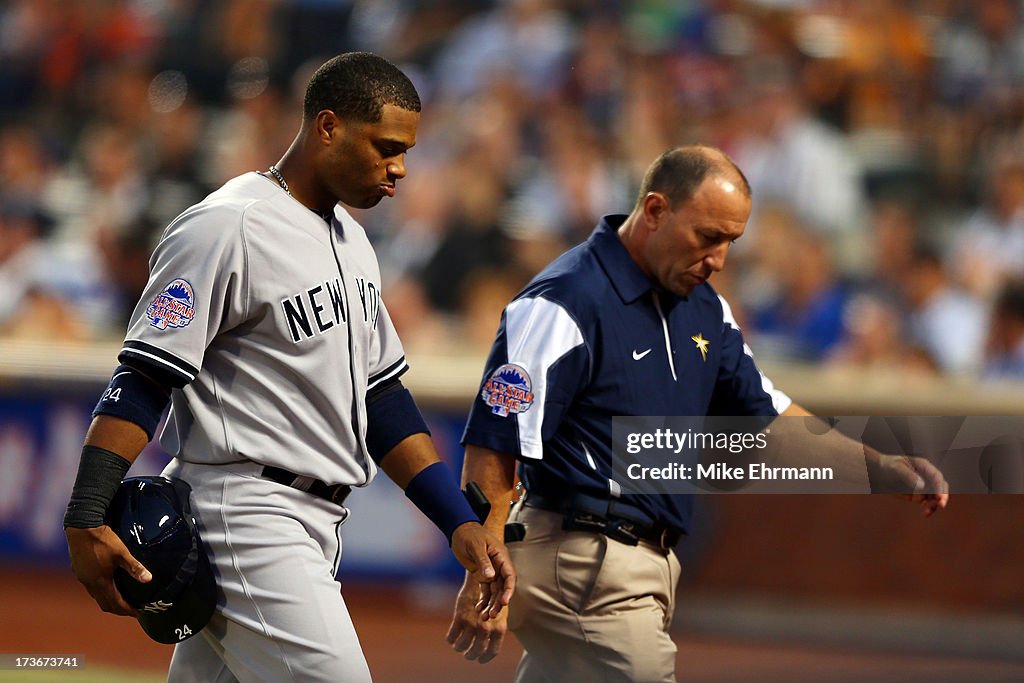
276, 173
280, 179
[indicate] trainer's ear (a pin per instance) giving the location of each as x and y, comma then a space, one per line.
655, 207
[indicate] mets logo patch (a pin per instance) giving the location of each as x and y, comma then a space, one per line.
507, 390
173, 307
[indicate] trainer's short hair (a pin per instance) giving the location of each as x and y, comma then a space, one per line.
357, 85
679, 172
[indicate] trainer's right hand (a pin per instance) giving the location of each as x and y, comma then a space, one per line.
95, 553
476, 637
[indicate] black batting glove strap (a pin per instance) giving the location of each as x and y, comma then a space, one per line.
99, 474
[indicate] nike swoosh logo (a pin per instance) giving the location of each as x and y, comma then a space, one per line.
638, 356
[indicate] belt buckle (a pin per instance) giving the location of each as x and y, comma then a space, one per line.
662, 539
621, 531
581, 521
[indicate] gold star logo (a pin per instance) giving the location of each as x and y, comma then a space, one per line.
702, 345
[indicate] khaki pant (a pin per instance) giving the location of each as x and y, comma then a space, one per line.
588, 608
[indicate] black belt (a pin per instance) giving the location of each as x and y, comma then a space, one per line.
334, 493
580, 514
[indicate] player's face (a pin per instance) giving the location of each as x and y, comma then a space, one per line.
692, 240
366, 160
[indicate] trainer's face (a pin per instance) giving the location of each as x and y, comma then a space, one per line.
689, 243
364, 161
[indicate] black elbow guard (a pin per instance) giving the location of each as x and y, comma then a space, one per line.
132, 396
391, 416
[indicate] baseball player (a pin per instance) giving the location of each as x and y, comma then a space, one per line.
264, 328
623, 324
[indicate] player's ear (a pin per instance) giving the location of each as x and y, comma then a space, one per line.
327, 125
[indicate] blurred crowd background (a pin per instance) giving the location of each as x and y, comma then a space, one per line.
884, 140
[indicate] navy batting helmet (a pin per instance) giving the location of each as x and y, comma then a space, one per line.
153, 517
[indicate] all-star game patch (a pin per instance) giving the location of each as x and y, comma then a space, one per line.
507, 390
173, 307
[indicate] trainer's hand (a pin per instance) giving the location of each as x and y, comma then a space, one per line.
487, 561
94, 555
913, 478
471, 632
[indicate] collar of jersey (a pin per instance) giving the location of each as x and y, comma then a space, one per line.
629, 281
327, 217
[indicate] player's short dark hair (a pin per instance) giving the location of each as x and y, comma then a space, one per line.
357, 85
679, 172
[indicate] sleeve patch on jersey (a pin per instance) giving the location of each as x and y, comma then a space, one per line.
508, 390
173, 307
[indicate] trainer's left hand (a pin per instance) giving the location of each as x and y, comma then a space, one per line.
912, 478
487, 561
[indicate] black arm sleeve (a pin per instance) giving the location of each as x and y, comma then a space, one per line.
391, 416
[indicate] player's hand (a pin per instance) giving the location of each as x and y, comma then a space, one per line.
912, 478
489, 565
471, 632
95, 553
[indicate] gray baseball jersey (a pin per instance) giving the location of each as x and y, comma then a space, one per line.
275, 325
